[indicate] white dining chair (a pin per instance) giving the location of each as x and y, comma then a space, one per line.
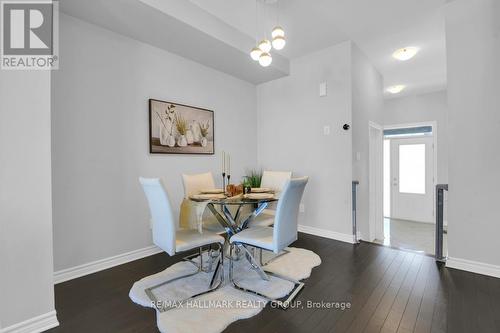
275, 239
194, 184
274, 180
173, 241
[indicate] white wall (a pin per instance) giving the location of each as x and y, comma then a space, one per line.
367, 105
291, 117
100, 136
473, 46
423, 108
26, 262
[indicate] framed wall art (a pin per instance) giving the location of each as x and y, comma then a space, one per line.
180, 129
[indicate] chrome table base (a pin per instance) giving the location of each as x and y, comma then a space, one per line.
283, 302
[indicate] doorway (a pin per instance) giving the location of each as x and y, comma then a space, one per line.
409, 179
412, 177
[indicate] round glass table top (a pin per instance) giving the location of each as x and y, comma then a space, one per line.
236, 200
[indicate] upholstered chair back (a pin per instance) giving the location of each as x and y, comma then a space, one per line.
193, 184
275, 180
164, 226
286, 221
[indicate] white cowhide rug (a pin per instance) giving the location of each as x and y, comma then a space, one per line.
213, 312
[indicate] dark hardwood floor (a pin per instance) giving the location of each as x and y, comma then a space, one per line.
389, 291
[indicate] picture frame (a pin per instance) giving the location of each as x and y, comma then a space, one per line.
176, 128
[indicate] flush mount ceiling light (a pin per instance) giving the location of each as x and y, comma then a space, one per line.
261, 52
396, 89
265, 59
405, 53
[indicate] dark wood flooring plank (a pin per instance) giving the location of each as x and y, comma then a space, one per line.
492, 288
440, 315
403, 297
368, 306
424, 318
323, 320
412, 309
383, 309
364, 288
327, 288
485, 303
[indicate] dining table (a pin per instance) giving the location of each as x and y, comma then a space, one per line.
235, 213
229, 211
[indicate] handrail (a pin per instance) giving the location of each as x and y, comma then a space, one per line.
355, 184
440, 188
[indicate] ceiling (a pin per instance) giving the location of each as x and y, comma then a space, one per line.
220, 33
378, 27
179, 27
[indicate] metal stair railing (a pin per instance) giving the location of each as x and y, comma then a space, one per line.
440, 188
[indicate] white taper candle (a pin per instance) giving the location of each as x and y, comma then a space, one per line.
223, 162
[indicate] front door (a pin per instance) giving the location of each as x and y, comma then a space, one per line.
412, 179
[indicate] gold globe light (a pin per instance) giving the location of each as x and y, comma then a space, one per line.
278, 31
279, 42
255, 53
265, 45
265, 59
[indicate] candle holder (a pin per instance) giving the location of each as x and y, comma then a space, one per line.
229, 189
224, 182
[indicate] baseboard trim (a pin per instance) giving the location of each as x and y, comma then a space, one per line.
102, 264
473, 266
34, 325
347, 238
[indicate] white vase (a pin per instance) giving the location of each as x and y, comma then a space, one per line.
195, 128
163, 135
204, 142
171, 141
189, 136
182, 141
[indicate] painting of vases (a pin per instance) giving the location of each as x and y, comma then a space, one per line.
180, 129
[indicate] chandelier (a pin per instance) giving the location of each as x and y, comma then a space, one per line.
262, 50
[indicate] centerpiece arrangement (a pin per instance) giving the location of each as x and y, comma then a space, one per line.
252, 179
